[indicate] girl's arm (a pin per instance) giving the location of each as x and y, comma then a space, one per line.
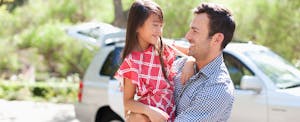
188, 68
154, 114
181, 48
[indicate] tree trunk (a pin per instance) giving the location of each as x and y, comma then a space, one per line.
12, 5
79, 16
120, 15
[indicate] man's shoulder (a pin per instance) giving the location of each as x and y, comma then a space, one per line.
223, 73
221, 82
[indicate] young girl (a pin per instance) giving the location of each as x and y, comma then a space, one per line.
146, 66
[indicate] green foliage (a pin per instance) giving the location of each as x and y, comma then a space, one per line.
271, 23
100, 10
8, 63
274, 24
64, 11
60, 53
54, 90
177, 17
33, 34
12, 4
9, 22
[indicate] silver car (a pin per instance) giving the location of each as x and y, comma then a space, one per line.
267, 88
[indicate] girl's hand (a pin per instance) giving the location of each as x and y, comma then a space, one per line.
188, 69
157, 115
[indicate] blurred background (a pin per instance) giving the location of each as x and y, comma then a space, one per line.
40, 62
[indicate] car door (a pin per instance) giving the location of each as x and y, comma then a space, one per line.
110, 66
249, 106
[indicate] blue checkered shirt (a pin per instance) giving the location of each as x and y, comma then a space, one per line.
207, 96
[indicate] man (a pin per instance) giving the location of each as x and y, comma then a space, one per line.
208, 94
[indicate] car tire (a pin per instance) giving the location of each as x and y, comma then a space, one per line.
105, 114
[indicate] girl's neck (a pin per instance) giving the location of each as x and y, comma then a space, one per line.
142, 45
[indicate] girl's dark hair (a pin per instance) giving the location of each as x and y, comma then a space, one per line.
139, 12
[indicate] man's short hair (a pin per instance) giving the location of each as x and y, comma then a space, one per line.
220, 20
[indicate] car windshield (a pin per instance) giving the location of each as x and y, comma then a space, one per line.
283, 74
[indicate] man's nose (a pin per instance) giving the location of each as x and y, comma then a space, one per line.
187, 36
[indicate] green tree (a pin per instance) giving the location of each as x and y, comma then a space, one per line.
270, 23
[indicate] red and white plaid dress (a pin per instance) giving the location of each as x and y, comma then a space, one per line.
144, 70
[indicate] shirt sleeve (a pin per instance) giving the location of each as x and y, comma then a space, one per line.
210, 104
178, 64
127, 70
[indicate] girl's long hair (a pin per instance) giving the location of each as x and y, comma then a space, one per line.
139, 12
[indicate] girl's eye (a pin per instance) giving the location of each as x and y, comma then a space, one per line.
155, 25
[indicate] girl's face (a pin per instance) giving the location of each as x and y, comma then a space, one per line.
150, 31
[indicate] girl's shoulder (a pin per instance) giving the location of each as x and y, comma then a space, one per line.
169, 51
133, 56
132, 59
128, 63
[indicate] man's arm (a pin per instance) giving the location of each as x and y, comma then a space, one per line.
211, 104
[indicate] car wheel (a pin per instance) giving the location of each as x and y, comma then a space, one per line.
105, 114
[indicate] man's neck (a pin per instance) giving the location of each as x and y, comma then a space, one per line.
203, 63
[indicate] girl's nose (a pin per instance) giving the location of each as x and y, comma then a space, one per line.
158, 31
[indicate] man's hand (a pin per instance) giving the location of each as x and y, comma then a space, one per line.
135, 117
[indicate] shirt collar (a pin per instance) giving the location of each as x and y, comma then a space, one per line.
211, 67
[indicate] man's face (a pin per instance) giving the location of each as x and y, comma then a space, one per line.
197, 35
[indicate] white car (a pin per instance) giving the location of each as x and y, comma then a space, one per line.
267, 88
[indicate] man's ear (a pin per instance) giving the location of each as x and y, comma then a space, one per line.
218, 38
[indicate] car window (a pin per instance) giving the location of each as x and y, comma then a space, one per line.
236, 69
112, 63
281, 72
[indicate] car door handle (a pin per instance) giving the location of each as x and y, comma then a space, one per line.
279, 109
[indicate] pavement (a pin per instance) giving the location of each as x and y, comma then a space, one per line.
28, 111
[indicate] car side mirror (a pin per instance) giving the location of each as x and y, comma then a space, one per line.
251, 83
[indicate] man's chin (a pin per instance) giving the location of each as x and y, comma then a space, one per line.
190, 53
